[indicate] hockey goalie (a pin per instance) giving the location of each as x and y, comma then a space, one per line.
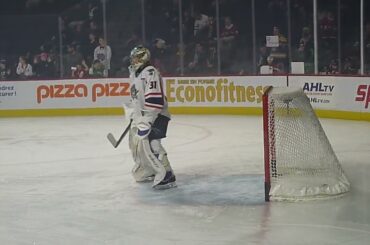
149, 114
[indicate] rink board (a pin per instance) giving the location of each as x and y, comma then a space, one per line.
330, 96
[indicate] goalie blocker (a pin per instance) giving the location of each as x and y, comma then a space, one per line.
300, 163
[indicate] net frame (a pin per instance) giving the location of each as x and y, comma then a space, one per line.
308, 176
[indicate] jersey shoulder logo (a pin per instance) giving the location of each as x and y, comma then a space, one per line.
150, 71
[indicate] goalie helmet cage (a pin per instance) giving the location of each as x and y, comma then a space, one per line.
300, 163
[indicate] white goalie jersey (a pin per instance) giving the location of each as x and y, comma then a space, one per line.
148, 99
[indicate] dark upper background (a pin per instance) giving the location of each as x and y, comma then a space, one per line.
30, 28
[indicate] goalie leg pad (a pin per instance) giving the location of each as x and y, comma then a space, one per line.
169, 180
160, 153
142, 173
142, 170
153, 161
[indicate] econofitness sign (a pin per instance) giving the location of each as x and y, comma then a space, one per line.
238, 91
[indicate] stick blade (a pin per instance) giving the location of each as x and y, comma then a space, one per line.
112, 140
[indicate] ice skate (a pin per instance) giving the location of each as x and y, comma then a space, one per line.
168, 182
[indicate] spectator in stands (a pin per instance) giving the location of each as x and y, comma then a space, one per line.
80, 71
299, 53
103, 53
283, 41
44, 66
36, 65
306, 45
306, 37
327, 34
53, 60
229, 35
201, 24
333, 67
274, 66
229, 32
327, 25
71, 59
97, 69
4, 70
24, 69
349, 66
280, 53
181, 53
159, 55
262, 56
200, 63
88, 47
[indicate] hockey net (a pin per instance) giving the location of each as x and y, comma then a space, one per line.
300, 163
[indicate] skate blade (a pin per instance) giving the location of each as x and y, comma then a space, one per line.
166, 186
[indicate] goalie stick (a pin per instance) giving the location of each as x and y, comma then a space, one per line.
113, 140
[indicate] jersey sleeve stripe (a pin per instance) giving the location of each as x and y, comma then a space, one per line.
154, 100
153, 106
153, 95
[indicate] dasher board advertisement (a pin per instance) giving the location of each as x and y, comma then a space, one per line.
238, 91
231, 91
335, 93
58, 94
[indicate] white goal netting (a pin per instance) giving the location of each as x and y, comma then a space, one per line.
302, 164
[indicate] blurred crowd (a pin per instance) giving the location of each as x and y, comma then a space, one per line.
87, 52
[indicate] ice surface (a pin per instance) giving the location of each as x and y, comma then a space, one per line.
62, 182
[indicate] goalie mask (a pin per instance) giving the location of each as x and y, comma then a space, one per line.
139, 56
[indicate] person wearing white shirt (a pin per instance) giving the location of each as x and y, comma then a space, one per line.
24, 69
103, 53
